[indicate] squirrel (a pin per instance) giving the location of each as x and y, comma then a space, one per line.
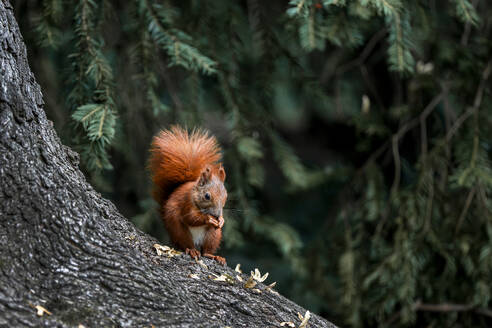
188, 179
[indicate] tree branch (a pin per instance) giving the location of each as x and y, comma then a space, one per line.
404, 129
476, 103
364, 54
443, 308
396, 160
466, 33
450, 307
468, 202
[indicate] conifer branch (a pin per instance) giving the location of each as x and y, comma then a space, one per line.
464, 212
172, 41
396, 161
91, 96
429, 204
371, 44
466, 32
370, 85
443, 308
466, 12
396, 137
402, 131
476, 103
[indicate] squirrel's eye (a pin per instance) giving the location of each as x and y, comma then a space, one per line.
207, 196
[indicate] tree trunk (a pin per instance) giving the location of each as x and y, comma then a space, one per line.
65, 248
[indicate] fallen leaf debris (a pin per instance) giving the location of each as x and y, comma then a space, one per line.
166, 250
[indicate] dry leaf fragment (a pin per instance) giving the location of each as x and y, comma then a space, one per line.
250, 283
423, 68
80, 326
193, 276
238, 268
270, 288
223, 277
239, 278
366, 104
41, 310
203, 265
220, 278
256, 290
166, 250
160, 249
304, 319
257, 275
287, 323
230, 279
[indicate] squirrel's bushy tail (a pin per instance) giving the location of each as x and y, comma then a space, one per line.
178, 157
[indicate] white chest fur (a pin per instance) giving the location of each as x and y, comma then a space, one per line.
198, 235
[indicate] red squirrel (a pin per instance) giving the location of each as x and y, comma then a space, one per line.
188, 182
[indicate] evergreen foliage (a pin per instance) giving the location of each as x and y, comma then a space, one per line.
357, 136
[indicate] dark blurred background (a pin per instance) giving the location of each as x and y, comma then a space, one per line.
356, 136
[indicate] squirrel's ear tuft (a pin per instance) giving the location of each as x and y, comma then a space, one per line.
204, 177
222, 174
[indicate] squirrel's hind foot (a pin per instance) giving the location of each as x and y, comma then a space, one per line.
217, 258
194, 253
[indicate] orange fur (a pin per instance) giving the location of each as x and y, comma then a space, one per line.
184, 168
178, 157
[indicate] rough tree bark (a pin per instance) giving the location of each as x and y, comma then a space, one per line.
64, 247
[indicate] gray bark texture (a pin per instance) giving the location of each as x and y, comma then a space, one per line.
67, 249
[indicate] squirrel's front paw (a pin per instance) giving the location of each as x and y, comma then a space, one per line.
194, 253
221, 222
216, 223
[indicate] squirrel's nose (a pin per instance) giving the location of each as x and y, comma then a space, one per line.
217, 213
